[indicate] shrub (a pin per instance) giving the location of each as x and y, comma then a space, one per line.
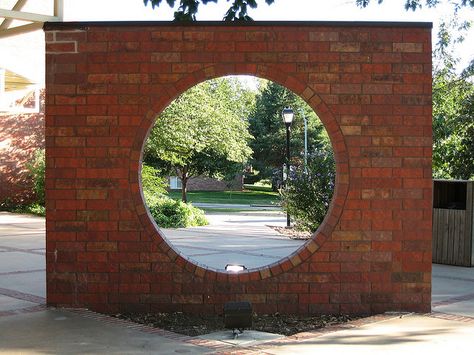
309, 193
169, 213
34, 208
154, 186
36, 170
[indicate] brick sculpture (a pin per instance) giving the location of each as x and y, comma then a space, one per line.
370, 83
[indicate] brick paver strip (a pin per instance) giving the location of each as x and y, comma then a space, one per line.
453, 278
453, 300
454, 317
220, 347
29, 251
21, 272
214, 345
224, 348
32, 309
22, 296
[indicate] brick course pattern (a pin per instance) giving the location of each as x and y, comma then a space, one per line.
369, 83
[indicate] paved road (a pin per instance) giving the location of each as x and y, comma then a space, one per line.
28, 327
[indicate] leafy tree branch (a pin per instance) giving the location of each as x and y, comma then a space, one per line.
188, 9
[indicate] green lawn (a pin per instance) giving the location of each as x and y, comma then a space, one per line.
250, 196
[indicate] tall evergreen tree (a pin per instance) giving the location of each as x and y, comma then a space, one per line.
266, 124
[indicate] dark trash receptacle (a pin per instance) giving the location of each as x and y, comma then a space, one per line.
453, 221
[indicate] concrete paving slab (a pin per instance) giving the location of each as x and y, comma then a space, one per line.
238, 245
445, 288
451, 282
246, 208
453, 271
408, 335
32, 282
8, 217
9, 230
24, 242
219, 261
234, 238
20, 261
247, 338
11, 304
62, 332
463, 308
20, 223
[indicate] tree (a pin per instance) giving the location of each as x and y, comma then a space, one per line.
453, 125
453, 112
36, 169
310, 190
202, 132
458, 147
267, 126
453, 96
188, 8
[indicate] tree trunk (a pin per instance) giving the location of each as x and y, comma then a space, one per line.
184, 183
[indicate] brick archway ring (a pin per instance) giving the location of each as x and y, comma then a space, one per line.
340, 154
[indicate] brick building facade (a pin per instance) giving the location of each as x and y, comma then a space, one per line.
202, 183
21, 136
21, 132
370, 84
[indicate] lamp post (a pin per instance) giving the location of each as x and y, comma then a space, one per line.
287, 115
305, 141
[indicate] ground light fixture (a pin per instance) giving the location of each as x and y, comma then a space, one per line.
287, 114
237, 316
235, 267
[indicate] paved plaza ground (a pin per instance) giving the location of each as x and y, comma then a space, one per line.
27, 326
238, 238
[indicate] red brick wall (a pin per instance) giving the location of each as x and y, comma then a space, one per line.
369, 84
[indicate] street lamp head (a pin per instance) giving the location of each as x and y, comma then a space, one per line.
287, 114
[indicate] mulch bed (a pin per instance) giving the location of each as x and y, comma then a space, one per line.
194, 325
292, 233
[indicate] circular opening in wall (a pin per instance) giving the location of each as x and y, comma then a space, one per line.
238, 173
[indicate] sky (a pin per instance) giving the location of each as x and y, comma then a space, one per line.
280, 10
284, 10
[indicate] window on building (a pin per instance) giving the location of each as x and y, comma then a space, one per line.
18, 94
175, 183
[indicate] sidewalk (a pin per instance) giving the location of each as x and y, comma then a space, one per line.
28, 327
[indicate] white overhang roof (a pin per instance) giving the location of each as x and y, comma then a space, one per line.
29, 21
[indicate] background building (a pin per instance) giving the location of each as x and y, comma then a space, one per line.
22, 78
